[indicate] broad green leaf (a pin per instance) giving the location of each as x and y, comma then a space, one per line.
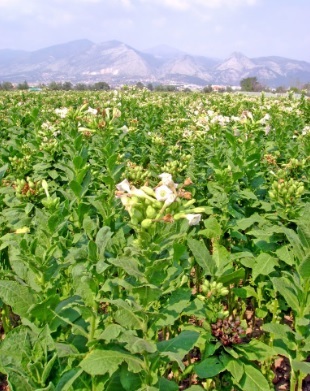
281, 331
202, 256
147, 294
286, 255
253, 380
129, 265
209, 367
304, 268
102, 238
212, 228
264, 265
129, 380
177, 302
111, 332
18, 381
235, 367
245, 292
76, 188
126, 316
287, 289
19, 297
180, 344
255, 350
233, 277
167, 385
247, 222
221, 258
67, 379
99, 362
302, 366
3, 170
295, 242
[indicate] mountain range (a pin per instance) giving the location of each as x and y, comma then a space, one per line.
118, 63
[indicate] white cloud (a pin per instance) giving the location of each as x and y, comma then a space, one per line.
184, 5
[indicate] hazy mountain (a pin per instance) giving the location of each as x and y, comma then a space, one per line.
118, 63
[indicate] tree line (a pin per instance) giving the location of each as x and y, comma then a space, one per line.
249, 84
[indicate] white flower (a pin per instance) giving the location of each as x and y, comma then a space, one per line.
123, 186
92, 111
193, 219
166, 178
170, 199
62, 112
125, 129
163, 192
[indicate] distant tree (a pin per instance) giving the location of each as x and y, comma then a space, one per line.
67, 86
281, 89
101, 86
207, 89
229, 89
306, 87
54, 86
23, 86
150, 86
140, 85
166, 88
250, 84
81, 87
6, 86
186, 89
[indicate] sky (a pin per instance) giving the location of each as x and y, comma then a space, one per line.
211, 28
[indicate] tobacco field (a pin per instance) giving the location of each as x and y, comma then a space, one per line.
154, 241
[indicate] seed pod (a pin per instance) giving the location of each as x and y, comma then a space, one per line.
148, 190
150, 212
146, 223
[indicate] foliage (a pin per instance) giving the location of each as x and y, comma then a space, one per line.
153, 240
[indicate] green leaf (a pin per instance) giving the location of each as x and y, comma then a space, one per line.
202, 256
209, 367
221, 258
235, 367
180, 344
255, 350
67, 379
99, 362
126, 316
212, 228
129, 265
281, 331
3, 170
130, 381
253, 380
295, 242
264, 265
287, 289
245, 292
301, 366
246, 223
102, 238
177, 347
147, 294
76, 188
304, 268
177, 302
19, 297
286, 255
167, 385
233, 277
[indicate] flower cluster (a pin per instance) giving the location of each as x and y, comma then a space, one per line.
166, 202
228, 331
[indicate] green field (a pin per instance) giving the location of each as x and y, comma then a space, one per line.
154, 241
